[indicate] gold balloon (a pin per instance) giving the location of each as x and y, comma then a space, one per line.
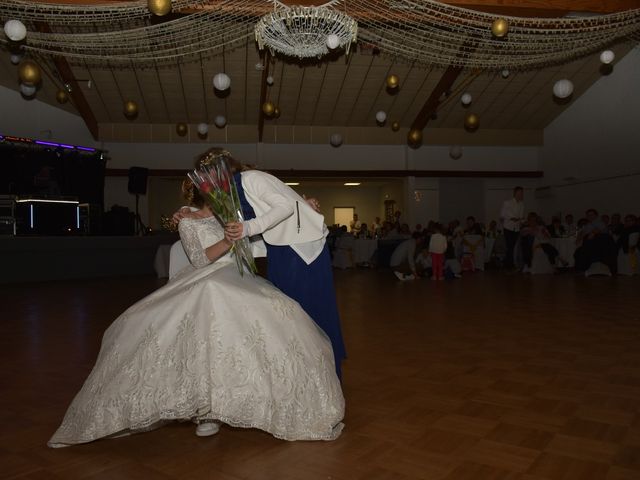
415, 136
130, 109
182, 129
62, 96
393, 81
395, 126
29, 72
159, 7
471, 121
499, 27
276, 112
268, 108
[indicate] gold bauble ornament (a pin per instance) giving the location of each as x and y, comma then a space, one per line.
29, 72
500, 27
268, 108
276, 112
62, 96
395, 126
414, 137
130, 109
471, 122
159, 7
182, 129
393, 81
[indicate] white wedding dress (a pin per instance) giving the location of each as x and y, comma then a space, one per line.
210, 345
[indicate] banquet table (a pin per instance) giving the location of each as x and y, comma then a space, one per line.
363, 249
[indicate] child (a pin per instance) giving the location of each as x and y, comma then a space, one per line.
437, 248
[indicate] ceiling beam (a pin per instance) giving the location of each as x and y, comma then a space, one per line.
518, 8
431, 105
79, 100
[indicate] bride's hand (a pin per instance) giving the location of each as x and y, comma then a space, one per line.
233, 231
184, 212
313, 203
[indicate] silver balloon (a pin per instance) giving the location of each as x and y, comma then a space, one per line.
563, 88
15, 30
381, 117
16, 58
221, 81
333, 41
28, 90
203, 129
466, 99
455, 152
335, 139
607, 57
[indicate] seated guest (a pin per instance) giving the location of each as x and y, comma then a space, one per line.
363, 232
376, 227
630, 226
596, 245
492, 230
403, 258
405, 230
616, 226
472, 227
570, 228
556, 229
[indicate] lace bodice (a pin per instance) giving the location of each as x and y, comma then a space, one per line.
196, 235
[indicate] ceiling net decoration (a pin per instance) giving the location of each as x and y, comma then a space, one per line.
424, 32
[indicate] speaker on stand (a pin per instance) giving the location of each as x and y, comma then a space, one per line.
138, 186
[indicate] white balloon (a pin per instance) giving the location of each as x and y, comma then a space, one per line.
607, 57
505, 73
203, 128
455, 152
333, 41
336, 139
563, 88
15, 30
269, 80
27, 90
221, 81
466, 99
220, 121
381, 117
16, 58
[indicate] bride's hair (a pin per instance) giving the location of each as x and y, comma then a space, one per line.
191, 194
216, 154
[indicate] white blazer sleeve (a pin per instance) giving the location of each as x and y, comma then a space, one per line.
280, 207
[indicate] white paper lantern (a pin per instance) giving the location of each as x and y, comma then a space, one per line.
563, 88
203, 129
221, 81
466, 99
269, 80
16, 58
381, 117
15, 30
336, 139
333, 41
505, 73
28, 90
220, 121
455, 152
607, 57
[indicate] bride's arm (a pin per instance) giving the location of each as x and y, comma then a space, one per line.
200, 256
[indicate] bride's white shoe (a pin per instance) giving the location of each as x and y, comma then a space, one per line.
206, 429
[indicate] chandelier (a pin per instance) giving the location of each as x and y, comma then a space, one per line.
305, 32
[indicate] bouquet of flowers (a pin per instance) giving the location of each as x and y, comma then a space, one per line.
218, 188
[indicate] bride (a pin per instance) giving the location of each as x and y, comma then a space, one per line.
210, 346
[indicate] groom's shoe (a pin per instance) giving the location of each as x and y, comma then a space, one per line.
206, 429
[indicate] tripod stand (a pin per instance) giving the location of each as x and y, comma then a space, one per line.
140, 228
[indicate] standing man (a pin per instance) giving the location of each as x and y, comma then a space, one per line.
512, 214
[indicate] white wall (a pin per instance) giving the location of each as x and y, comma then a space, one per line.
591, 151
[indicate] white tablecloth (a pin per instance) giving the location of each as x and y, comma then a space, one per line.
566, 248
363, 249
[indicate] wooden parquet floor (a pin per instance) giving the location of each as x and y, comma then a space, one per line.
489, 377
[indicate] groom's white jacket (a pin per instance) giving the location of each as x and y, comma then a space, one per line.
282, 216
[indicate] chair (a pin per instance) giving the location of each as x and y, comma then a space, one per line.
178, 259
628, 262
473, 247
343, 254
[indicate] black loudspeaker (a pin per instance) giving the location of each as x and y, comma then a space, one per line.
138, 180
